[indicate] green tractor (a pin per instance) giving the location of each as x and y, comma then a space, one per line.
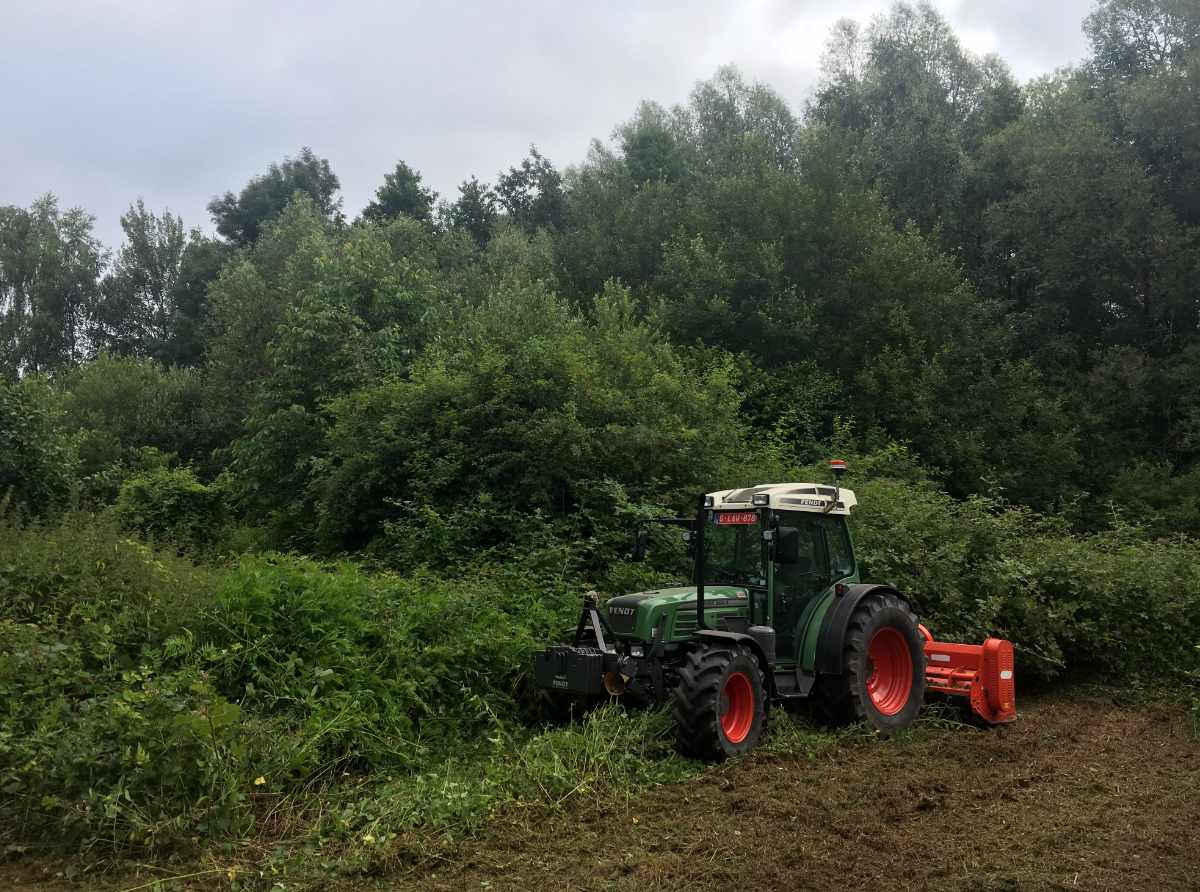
776, 613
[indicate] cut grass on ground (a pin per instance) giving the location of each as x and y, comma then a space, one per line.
1077, 794
1080, 793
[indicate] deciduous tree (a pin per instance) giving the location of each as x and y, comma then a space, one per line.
134, 312
240, 218
50, 265
402, 192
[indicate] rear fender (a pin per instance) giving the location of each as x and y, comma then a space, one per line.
832, 642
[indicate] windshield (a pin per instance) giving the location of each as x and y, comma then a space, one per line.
733, 548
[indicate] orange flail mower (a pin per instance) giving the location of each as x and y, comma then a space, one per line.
983, 673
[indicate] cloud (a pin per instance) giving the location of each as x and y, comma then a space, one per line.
178, 101
1033, 36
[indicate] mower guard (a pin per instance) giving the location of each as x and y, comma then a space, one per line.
983, 673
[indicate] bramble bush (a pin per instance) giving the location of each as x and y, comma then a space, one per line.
38, 460
1117, 603
104, 739
169, 505
142, 695
589, 543
380, 670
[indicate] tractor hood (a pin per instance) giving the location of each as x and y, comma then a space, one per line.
635, 615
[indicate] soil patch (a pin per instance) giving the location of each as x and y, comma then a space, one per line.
1075, 795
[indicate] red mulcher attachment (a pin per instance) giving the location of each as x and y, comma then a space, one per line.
981, 672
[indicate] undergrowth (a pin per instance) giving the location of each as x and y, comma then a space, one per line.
150, 703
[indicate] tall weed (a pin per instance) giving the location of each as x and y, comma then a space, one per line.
102, 741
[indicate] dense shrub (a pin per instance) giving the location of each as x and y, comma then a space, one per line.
1117, 602
590, 543
145, 699
88, 580
99, 738
142, 697
171, 505
121, 408
38, 459
377, 671
528, 402
133, 757
1150, 494
136, 403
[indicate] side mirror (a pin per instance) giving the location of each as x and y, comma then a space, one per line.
640, 539
787, 545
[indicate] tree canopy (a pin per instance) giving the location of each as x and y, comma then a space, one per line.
402, 192
998, 275
240, 218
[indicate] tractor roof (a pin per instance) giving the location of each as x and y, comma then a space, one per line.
787, 497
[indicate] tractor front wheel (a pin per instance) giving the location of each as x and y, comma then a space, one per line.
883, 668
720, 703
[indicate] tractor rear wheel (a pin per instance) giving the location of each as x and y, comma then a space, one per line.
720, 703
883, 668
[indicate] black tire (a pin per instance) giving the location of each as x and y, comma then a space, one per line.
709, 722
881, 699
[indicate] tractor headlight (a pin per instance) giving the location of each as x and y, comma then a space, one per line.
760, 499
637, 651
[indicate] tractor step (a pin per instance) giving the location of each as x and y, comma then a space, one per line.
793, 684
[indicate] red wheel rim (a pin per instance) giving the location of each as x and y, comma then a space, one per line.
890, 682
737, 707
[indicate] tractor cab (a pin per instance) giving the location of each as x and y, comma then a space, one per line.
788, 544
775, 611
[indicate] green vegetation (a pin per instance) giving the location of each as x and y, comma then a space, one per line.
171, 505
149, 698
38, 459
145, 696
284, 514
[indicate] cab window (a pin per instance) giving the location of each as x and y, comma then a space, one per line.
841, 555
809, 574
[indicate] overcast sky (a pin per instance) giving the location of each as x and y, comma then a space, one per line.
178, 100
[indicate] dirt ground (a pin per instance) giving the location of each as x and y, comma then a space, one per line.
1075, 795
1078, 794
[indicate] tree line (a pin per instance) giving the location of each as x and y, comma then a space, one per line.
1000, 275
